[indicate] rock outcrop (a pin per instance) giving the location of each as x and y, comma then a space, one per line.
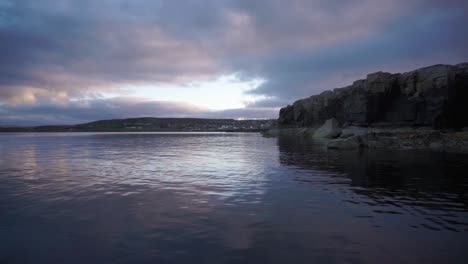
423, 109
402, 138
353, 142
331, 129
435, 96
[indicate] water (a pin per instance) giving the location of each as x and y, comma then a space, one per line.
225, 198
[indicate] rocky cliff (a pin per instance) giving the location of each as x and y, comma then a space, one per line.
435, 96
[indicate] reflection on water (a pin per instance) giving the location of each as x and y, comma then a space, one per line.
431, 186
225, 198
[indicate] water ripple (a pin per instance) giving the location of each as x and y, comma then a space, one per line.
153, 197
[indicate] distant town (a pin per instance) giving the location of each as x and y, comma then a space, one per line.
153, 124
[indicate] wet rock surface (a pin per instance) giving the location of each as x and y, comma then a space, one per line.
403, 138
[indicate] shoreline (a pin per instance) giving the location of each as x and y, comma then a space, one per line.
396, 138
136, 131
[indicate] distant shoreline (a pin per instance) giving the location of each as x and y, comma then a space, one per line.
153, 124
135, 131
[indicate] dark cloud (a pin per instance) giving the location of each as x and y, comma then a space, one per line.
89, 110
429, 36
55, 53
80, 46
97, 109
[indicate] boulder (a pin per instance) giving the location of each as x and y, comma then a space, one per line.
350, 143
353, 131
331, 129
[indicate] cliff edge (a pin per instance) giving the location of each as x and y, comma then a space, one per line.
425, 108
435, 96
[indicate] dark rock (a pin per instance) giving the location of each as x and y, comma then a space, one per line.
330, 129
350, 143
434, 96
455, 142
402, 138
353, 131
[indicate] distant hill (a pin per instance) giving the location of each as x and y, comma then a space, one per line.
148, 124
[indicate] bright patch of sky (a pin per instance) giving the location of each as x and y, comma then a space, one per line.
225, 92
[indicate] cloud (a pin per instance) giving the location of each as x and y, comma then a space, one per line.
57, 55
94, 109
78, 47
428, 36
82, 111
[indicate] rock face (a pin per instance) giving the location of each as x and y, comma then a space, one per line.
435, 96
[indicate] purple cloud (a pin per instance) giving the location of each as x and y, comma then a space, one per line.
55, 56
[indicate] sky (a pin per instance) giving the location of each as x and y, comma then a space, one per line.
74, 61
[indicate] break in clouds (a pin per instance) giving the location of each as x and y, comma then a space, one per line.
59, 59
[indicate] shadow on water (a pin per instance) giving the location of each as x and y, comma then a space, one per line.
432, 186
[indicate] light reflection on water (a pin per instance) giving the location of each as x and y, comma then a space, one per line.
225, 198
